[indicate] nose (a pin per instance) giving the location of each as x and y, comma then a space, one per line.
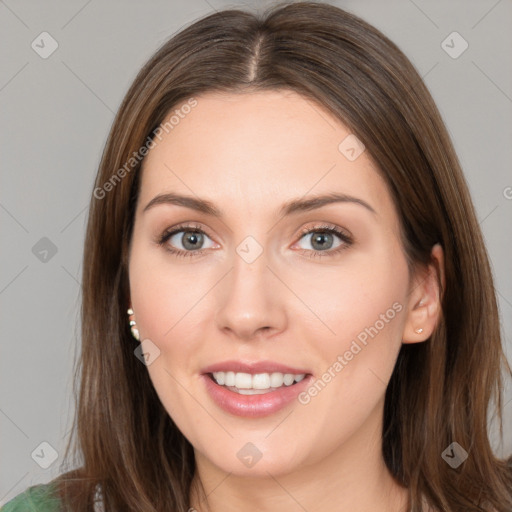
251, 301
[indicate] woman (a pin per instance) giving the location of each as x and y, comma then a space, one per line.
281, 221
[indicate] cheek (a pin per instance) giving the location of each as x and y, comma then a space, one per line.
163, 297
362, 308
165, 294
361, 297
358, 362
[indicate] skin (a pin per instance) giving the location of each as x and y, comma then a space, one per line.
249, 154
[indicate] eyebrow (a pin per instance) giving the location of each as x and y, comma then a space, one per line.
290, 207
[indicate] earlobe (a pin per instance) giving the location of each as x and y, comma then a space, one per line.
417, 326
425, 301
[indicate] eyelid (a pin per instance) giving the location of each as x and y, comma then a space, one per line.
346, 238
325, 226
169, 232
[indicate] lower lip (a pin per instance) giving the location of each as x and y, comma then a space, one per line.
254, 406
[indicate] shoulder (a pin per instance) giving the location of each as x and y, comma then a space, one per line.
38, 498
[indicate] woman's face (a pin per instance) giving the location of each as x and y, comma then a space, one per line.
265, 282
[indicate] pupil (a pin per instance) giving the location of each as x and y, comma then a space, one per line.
321, 238
193, 237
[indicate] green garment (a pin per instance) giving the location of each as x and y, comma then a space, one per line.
38, 498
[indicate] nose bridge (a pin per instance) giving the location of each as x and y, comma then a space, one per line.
249, 279
249, 301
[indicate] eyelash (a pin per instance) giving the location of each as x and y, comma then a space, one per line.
346, 239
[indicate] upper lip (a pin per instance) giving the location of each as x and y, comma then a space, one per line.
253, 367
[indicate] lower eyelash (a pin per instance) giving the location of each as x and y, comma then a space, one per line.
347, 241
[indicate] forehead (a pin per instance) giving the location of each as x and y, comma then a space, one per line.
258, 150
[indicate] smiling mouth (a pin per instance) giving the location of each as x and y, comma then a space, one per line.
255, 384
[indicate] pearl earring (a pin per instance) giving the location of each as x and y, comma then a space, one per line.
135, 331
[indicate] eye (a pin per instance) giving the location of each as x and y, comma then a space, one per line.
190, 236
321, 238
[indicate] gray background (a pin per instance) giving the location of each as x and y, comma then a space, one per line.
56, 113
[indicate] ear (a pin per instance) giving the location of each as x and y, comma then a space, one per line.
424, 305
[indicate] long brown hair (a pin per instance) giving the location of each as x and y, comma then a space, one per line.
123, 438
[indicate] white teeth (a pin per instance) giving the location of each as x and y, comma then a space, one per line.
259, 381
249, 391
229, 379
243, 381
276, 380
288, 379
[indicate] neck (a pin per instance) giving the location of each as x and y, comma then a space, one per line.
354, 477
